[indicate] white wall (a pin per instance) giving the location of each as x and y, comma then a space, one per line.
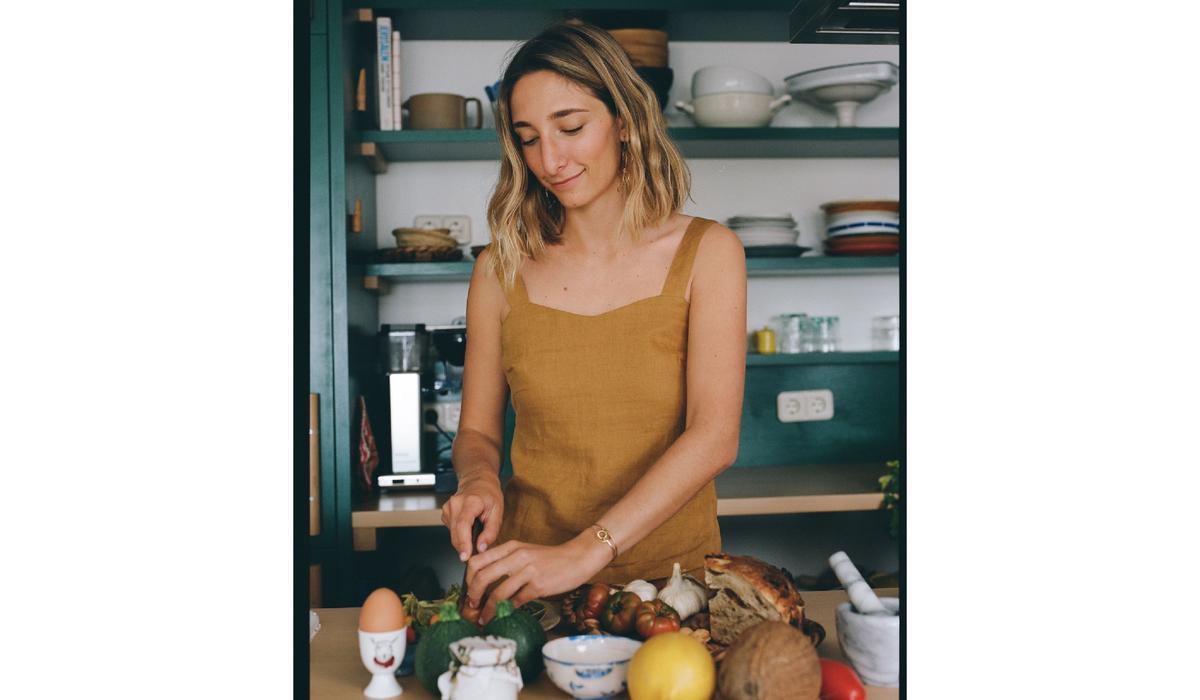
721, 187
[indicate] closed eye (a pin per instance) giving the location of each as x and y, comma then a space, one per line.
533, 140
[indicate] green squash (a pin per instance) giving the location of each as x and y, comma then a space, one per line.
433, 652
527, 632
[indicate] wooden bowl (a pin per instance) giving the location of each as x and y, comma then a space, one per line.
645, 47
861, 205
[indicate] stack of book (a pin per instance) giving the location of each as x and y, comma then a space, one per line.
387, 74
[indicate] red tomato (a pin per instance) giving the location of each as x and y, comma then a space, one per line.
411, 635
840, 682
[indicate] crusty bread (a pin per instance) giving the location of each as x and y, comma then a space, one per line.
748, 591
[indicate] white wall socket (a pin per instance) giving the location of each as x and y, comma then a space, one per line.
448, 414
459, 225
460, 228
797, 406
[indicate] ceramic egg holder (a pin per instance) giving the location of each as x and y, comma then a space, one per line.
381, 653
868, 627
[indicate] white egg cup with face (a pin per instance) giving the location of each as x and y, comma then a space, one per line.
382, 653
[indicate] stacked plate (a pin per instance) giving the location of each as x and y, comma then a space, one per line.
767, 236
862, 227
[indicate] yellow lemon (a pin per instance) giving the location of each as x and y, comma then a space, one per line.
672, 666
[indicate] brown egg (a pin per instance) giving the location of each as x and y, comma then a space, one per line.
382, 612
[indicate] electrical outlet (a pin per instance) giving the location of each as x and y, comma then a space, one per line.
448, 413
427, 222
798, 406
460, 228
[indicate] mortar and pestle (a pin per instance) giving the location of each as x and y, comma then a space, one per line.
868, 627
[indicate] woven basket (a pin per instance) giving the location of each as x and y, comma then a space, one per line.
419, 254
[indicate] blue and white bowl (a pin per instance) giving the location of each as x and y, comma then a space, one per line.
853, 223
589, 665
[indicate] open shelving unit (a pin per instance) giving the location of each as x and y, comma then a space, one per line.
755, 267
382, 147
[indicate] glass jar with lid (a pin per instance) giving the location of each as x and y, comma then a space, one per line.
885, 333
823, 334
790, 337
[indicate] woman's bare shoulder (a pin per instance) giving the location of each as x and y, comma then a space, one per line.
485, 291
718, 240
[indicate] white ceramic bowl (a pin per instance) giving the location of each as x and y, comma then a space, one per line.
767, 236
872, 642
589, 665
734, 109
862, 215
855, 222
714, 80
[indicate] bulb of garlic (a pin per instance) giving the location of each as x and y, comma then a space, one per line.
644, 589
686, 595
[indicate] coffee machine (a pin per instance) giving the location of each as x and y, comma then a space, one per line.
422, 380
405, 352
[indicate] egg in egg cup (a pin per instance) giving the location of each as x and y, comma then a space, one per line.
382, 639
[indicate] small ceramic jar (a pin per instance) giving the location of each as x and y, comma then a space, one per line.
481, 668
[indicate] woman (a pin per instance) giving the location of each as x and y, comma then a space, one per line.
617, 323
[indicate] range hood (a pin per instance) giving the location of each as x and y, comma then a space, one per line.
845, 22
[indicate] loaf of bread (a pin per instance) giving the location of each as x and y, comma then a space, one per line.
746, 591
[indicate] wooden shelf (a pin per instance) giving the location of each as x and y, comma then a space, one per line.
740, 491
821, 358
684, 20
693, 142
755, 267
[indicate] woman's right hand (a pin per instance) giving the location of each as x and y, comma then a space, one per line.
479, 497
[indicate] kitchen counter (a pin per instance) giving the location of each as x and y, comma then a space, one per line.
337, 673
817, 488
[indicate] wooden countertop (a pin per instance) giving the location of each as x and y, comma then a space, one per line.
814, 488
337, 673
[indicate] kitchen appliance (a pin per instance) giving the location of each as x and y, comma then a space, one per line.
421, 379
845, 22
405, 359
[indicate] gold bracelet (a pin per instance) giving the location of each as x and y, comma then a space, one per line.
605, 536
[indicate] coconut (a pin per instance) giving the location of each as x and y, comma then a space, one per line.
770, 661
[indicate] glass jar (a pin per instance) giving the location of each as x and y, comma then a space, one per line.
791, 332
824, 333
885, 333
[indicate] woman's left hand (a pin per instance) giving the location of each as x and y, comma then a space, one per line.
533, 571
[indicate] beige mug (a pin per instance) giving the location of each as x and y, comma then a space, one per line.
441, 110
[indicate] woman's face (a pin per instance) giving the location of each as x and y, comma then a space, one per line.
568, 138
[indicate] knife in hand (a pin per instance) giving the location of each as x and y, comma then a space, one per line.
476, 531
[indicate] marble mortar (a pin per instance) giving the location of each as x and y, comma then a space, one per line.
872, 643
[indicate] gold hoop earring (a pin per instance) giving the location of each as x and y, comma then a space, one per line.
624, 165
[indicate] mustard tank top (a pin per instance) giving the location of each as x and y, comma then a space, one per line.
598, 399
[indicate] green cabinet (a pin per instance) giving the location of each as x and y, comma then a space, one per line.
318, 20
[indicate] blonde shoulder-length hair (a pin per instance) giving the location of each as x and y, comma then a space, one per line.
523, 216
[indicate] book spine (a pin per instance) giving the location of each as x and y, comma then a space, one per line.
383, 71
397, 98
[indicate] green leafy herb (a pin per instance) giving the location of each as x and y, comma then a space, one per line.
889, 483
